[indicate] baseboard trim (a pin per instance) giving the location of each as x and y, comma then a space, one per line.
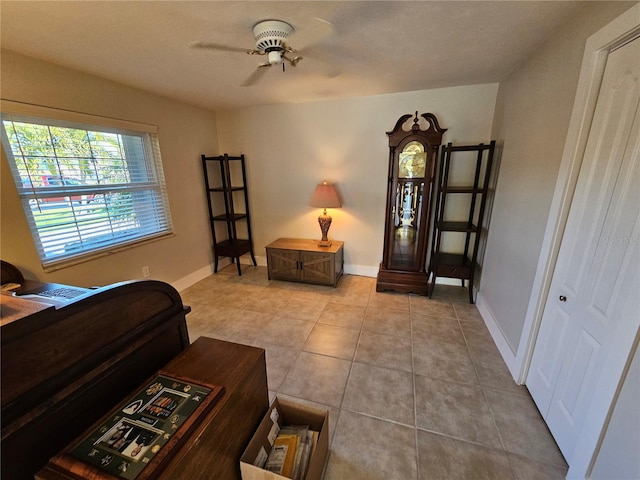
360, 270
195, 277
508, 355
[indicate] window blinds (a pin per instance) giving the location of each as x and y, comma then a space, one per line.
87, 188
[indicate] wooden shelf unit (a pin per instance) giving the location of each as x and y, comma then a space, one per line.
222, 194
462, 264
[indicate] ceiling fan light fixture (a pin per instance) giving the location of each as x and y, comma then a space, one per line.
271, 33
275, 57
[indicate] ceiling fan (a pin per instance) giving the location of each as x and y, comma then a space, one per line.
270, 36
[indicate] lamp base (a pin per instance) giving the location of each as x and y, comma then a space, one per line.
325, 222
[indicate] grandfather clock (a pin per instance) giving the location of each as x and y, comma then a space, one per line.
412, 160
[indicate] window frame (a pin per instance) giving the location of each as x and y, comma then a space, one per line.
151, 161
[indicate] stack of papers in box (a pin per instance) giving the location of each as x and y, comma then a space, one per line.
291, 442
291, 451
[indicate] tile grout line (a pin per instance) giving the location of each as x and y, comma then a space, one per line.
301, 348
413, 380
484, 396
353, 357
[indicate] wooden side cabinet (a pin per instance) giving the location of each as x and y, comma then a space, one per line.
300, 260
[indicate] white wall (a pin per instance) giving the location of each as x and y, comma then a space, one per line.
184, 133
532, 116
291, 148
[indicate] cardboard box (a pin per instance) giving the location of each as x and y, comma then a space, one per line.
284, 412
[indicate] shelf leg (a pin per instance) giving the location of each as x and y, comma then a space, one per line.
215, 264
431, 285
238, 265
470, 286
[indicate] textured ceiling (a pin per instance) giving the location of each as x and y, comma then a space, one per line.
373, 47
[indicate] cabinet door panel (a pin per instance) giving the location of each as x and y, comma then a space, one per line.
283, 264
317, 267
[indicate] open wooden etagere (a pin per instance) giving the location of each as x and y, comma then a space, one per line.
463, 264
224, 189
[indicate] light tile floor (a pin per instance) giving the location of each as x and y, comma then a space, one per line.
415, 387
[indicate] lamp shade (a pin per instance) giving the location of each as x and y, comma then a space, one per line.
325, 196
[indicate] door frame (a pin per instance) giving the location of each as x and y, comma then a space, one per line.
597, 48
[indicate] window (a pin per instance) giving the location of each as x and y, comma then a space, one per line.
88, 185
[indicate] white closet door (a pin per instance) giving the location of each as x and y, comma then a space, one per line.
593, 310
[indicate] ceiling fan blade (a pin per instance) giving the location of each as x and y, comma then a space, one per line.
256, 75
225, 48
314, 34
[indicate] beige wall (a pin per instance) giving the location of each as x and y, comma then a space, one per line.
290, 148
532, 117
184, 133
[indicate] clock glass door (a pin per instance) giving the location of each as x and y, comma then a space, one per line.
408, 205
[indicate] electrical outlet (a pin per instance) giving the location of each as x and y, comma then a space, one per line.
145, 272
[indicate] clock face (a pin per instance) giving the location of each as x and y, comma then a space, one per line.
412, 161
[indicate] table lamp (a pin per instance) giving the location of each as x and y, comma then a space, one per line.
325, 196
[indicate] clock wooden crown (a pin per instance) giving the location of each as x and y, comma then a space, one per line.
432, 134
